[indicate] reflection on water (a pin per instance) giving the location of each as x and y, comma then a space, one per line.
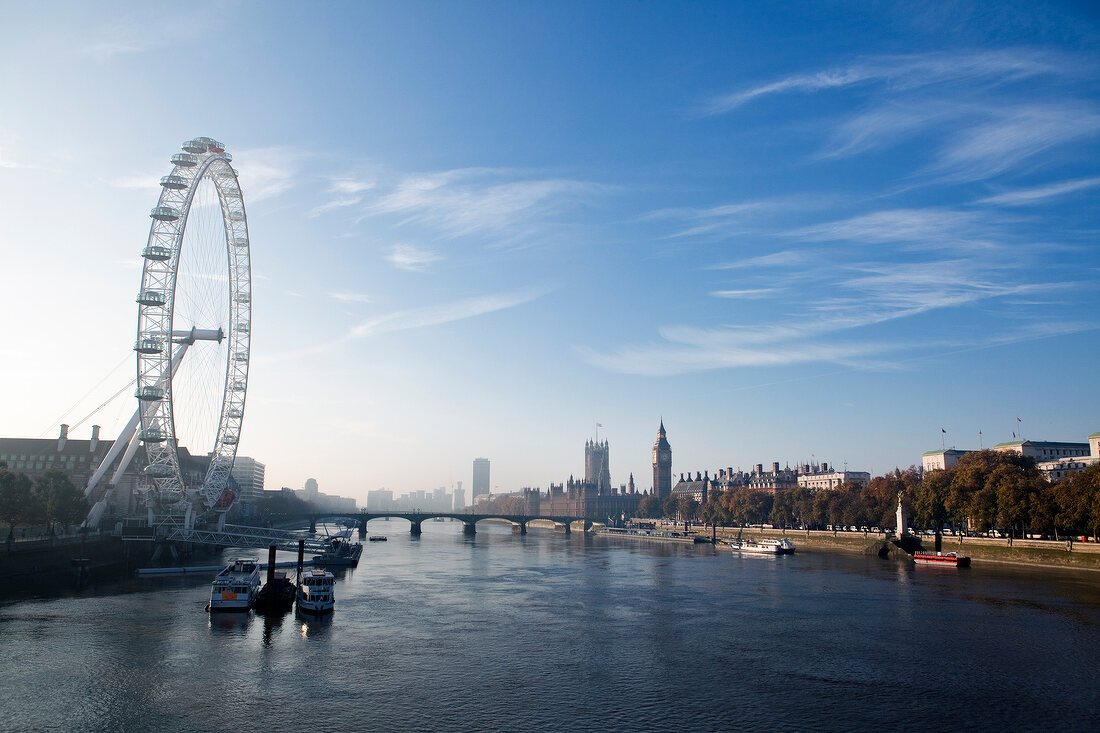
227, 622
547, 631
313, 624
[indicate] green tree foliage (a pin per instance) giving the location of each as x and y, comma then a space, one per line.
16, 501
59, 500
1077, 498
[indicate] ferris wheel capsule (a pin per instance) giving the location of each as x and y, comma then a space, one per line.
150, 393
156, 253
158, 470
152, 298
196, 146
152, 435
176, 183
185, 160
149, 346
164, 213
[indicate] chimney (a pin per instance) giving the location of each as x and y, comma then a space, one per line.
759, 468
698, 476
95, 439
61, 439
824, 467
775, 466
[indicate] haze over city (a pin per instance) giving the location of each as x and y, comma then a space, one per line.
480, 229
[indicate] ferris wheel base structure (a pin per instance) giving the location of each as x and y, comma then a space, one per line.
175, 292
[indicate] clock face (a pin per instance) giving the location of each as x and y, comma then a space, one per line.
664, 456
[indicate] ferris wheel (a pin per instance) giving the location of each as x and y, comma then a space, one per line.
196, 300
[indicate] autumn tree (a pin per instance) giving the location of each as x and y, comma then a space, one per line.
649, 507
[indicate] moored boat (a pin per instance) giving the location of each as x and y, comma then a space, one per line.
317, 592
950, 559
340, 552
236, 586
277, 594
764, 546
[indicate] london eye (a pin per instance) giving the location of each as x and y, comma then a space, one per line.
194, 301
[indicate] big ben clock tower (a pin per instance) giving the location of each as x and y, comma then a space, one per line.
662, 465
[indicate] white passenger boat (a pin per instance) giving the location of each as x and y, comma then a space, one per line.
235, 587
764, 547
317, 592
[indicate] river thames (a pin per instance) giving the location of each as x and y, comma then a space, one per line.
554, 632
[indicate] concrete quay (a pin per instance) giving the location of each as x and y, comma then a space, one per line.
1070, 554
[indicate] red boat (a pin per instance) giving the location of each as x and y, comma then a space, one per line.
951, 559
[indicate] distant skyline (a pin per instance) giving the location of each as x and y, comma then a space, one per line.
794, 231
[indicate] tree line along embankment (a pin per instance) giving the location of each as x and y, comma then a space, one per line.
1063, 554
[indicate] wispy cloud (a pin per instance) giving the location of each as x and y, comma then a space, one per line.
266, 172
826, 329
905, 72
436, 315
410, 257
350, 297
9, 164
1013, 135
1039, 194
105, 49
746, 294
348, 193
349, 185
664, 359
917, 229
480, 201
729, 219
340, 203
786, 258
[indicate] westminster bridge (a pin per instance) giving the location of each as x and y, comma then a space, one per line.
416, 518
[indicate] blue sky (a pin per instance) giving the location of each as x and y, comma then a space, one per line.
794, 231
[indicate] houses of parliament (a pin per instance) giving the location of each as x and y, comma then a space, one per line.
594, 496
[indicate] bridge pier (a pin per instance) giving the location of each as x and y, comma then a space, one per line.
469, 528
312, 524
569, 528
414, 528
362, 530
519, 528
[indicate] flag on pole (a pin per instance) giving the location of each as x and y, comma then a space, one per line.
599, 424
942, 430
1017, 419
